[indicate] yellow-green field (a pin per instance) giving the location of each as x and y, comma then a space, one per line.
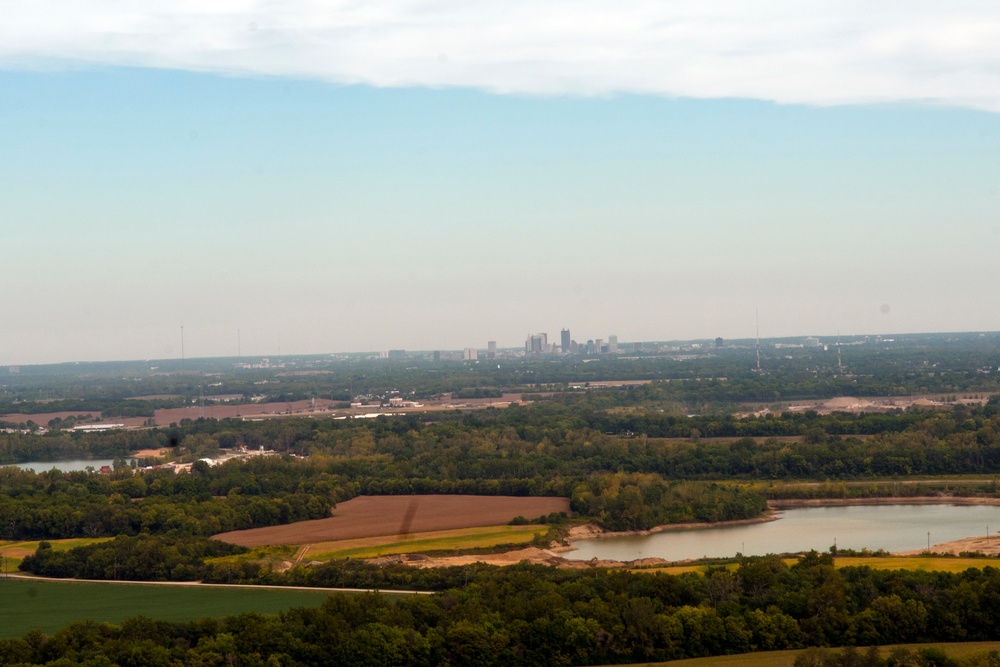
441, 540
14, 552
787, 658
920, 563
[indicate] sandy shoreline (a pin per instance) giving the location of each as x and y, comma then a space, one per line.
557, 554
989, 545
783, 503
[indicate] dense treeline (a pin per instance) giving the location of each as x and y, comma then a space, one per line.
538, 450
146, 558
533, 615
524, 428
260, 492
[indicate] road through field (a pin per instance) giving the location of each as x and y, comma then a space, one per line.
27, 577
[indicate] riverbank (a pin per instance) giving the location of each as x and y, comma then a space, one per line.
561, 555
784, 503
591, 531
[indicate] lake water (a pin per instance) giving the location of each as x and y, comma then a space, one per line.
889, 527
72, 465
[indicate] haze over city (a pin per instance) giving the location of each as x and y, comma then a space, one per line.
432, 176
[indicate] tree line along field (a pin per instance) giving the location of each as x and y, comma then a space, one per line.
534, 615
624, 470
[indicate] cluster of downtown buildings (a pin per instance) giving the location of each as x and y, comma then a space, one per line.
534, 345
538, 344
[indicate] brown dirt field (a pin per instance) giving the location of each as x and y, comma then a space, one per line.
150, 453
171, 415
43, 418
377, 516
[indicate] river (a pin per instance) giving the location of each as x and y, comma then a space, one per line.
889, 527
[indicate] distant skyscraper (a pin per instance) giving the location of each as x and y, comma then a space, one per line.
470, 354
612, 344
437, 355
564, 341
718, 342
492, 349
536, 344
599, 346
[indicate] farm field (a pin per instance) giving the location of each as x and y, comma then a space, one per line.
442, 540
384, 516
49, 606
787, 658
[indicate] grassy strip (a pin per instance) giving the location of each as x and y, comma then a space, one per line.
462, 539
14, 552
49, 606
787, 658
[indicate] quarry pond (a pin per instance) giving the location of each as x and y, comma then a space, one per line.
889, 527
69, 465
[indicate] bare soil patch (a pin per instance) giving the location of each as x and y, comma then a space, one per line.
378, 516
223, 411
988, 545
150, 453
43, 418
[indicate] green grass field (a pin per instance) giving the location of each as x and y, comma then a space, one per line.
787, 658
49, 606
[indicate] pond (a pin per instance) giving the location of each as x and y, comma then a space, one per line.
889, 527
71, 465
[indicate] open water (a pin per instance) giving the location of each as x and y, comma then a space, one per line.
72, 465
889, 527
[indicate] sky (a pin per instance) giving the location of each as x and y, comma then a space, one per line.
306, 177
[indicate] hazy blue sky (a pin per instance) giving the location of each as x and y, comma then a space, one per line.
348, 177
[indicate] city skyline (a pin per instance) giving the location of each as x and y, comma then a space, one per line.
491, 349
329, 179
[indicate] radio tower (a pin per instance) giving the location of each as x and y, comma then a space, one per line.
840, 366
756, 315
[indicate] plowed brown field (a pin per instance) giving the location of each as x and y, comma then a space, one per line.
378, 516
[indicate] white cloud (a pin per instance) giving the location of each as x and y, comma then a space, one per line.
795, 51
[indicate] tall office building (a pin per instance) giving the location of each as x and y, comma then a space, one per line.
564, 341
491, 349
612, 344
536, 344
